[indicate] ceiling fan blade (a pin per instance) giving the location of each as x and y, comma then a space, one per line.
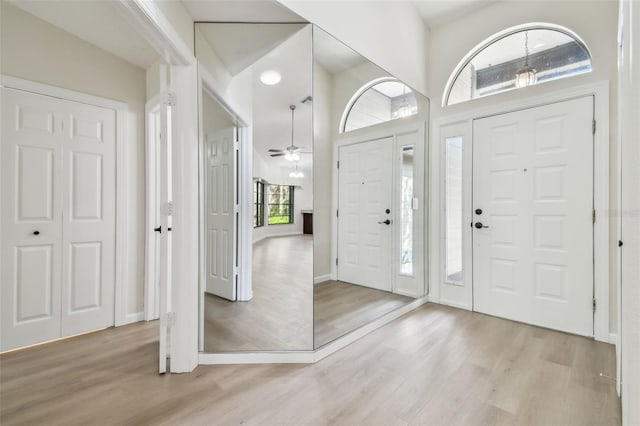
278, 154
275, 150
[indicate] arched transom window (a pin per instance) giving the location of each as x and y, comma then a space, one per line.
517, 57
376, 102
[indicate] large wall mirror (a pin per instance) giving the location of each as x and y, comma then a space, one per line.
294, 250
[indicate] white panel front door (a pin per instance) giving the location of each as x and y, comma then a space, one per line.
220, 188
365, 193
533, 181
58, 227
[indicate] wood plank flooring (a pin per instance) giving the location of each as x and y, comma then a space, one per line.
280, 315
287, 312
434, 366
341, 307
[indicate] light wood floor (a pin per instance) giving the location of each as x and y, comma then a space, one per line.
433, 366
287, 312
341, 307
280, 315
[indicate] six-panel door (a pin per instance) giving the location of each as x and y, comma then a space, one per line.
58, 218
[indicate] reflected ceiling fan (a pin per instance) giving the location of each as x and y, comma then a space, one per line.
291, 152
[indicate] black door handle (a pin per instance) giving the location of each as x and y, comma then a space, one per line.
386, 222
479, 225
158, 229
36, 232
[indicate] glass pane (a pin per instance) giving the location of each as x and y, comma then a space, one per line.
453, 194
520, 59
406, 212
380, 103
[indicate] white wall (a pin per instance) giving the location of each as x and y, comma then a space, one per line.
323, 161
450, 42
390, 34
35, 50
630, 285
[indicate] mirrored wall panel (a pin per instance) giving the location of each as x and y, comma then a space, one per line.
312, 188
369, 205
256, 186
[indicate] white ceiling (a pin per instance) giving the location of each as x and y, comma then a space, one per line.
439, 12
237, 47
333, 55
240, 11
97, 22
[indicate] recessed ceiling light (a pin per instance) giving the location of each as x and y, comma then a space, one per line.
270, 77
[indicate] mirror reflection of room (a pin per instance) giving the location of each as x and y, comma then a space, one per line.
369, 185
267, 70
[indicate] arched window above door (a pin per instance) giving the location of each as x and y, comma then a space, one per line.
376, 102
517, 57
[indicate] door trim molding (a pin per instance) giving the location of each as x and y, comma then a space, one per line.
123, 138
602, 205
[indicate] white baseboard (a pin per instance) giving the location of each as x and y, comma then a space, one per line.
321, 278
452, 303
131, 318
311, 356
286, 234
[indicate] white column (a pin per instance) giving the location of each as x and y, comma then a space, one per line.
629, 112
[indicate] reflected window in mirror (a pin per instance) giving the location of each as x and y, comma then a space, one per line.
280, 204
377, 102
406, 211
258, 204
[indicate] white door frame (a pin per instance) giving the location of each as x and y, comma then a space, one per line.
123, 138
151, 301
385, 130
602, 245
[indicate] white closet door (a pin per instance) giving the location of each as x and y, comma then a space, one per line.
31, 219
58, 218
88, 226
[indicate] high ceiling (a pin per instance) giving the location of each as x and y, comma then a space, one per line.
439, 12
240, 11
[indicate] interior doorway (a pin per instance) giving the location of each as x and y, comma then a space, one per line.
533, 215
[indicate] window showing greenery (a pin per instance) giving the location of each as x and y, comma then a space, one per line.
280, 204
258, 204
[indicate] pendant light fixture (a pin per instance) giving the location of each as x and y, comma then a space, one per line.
292, 154
527, 75
405, 109
296, 173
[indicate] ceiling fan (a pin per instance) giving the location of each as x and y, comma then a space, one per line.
291, 152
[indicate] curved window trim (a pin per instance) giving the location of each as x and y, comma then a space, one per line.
360, 92
499, 36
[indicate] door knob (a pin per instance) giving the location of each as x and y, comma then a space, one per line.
478, 211
386, 222
158, 229
387, 211
36, 232
479, 225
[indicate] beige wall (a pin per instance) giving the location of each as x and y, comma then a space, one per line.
34, 50
594, 21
